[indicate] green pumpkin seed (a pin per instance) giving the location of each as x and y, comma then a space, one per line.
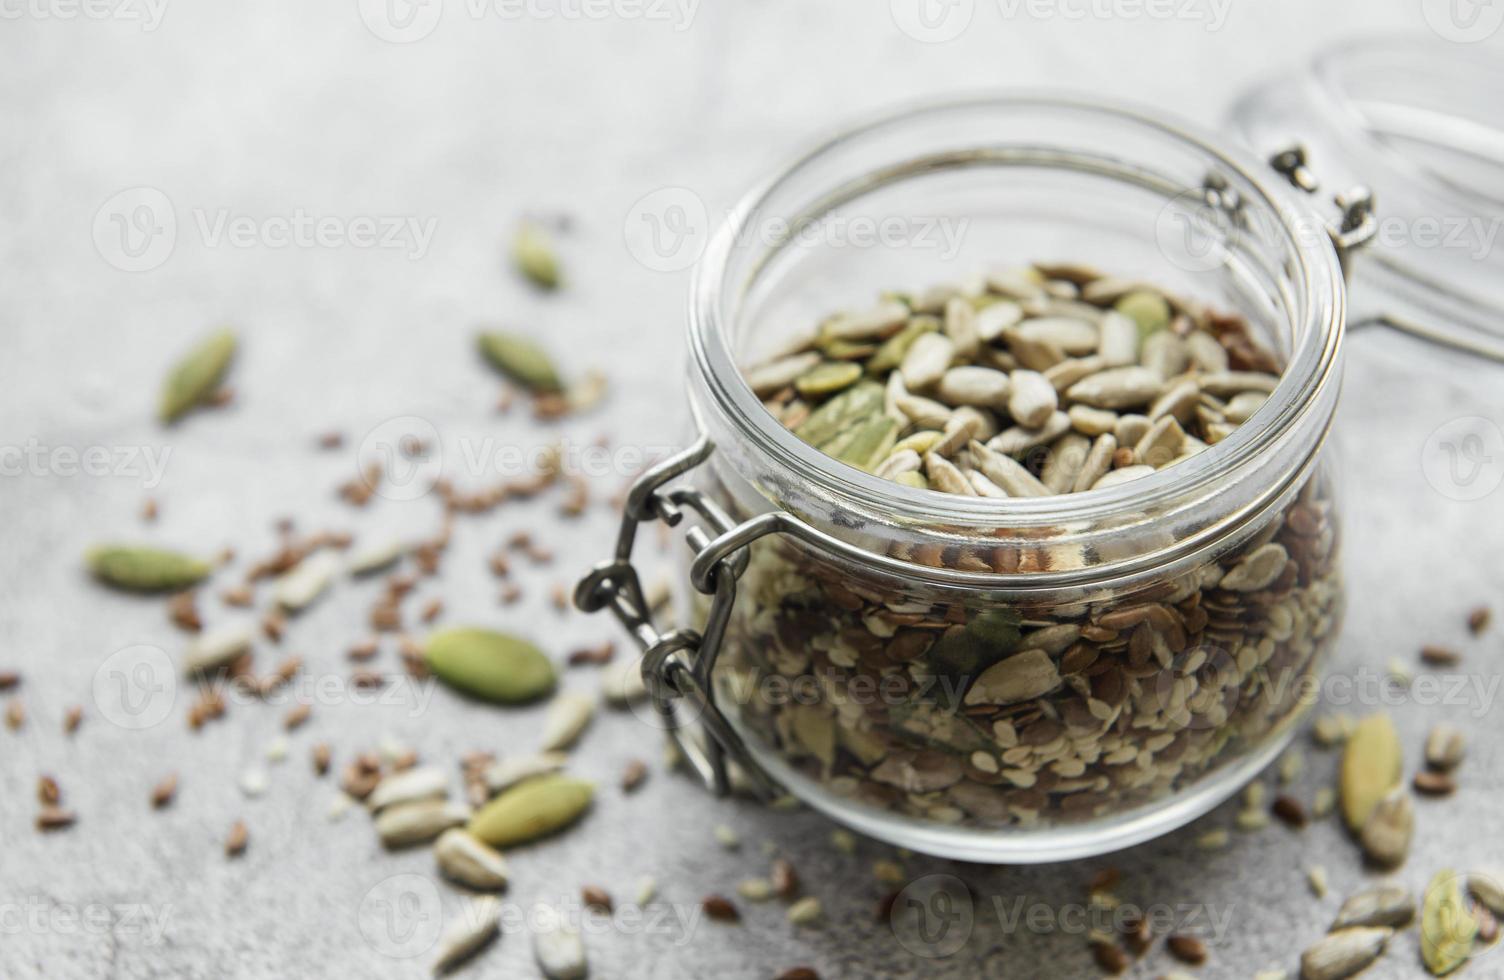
854, 404
490, 665
531, 810
194, 378
891, 353
521, 360
827, 378
1447, 926
533, 255
912, 478
142, 569
1147, 309
870, 443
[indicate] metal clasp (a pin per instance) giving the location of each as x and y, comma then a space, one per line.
1356, 224
677, 666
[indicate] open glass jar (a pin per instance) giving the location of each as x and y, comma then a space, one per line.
1019, 680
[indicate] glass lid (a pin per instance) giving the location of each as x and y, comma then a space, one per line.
1421, 124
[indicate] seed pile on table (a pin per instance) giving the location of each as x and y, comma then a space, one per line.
1032, 382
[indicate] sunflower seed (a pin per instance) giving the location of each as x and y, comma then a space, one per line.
1007, 473
961, 327
1344, 953
1445, 747
1031, 399
622, 684
568, 714
307, 580
218, 647
369, 561
1073, 336
557, 946
945, 476
1117, 388
479, 924
1386, 833
405, 824
466, 860
507, 773
766, 379
972, 385
805, 911
869, 323
424, 783
1124, 475
1380, 905
927, 360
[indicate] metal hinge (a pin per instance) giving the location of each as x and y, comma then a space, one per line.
677, 665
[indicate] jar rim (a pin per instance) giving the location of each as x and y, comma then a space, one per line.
1312, 364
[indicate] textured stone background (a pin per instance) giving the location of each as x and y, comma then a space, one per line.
263, 109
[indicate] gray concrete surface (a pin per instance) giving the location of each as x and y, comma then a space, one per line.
260, 110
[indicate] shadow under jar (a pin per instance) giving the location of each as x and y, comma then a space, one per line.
1023, 679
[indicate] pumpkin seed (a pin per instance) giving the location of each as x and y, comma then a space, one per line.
143, 569
1148, 310
520, 359
193, 379
534, 256
532, 809
1343, 953
466, 860
1372, 766
1447, 925
490, 665
1022, 677
856, 403
827, 378
478, 925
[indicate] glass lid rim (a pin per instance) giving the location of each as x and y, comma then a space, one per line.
1311, 367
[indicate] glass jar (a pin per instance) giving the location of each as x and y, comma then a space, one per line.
1014, 680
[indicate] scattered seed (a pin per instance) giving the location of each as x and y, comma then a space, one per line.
164, 792
321, 757
1187, 949
1379, 905
557, 946
1110, 958
785, 879
142, 569
1478, 619
1316, 877
478, 925
1343, 953
1440, 656
633, 775
720, 908
194, 379
805, 911
727, 837
1290, 810
1432, 783
1372, 764
1445, 747
235, 843
1447, 924
532, 809
1386, 834
596, 897
48, 793
405, 824
72, 718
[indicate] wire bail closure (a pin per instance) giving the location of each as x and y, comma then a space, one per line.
677, 665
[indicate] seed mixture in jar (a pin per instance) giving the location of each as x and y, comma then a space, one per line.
1035, 381
987, 710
